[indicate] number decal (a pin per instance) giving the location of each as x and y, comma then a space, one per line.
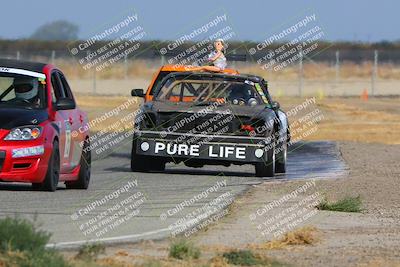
67, 148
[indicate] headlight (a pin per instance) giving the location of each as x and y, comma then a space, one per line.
24, 133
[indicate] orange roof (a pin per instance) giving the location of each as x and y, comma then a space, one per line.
182, 68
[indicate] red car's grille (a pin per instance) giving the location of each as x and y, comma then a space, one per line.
2, 158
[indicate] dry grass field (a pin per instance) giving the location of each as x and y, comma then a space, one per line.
345, 119
312, 70
318, 78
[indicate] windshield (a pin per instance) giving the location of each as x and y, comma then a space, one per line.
205, 90
21, 91
159, 79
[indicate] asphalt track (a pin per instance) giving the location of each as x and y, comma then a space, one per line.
68, 215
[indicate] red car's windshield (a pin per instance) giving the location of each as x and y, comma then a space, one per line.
22, 91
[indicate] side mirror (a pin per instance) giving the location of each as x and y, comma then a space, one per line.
65, 104
275, 105
137, 92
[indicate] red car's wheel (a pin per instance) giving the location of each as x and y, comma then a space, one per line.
53, 172
85, 170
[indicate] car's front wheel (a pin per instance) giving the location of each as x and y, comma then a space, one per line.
281, 158
53, 171
266, 168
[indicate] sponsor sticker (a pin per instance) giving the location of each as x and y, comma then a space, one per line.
211, 151
67, 149
23, 72
261, 92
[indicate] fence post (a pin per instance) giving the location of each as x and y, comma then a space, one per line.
374, 73
94, 75
53, 56
162, 60
301, 73
234, 62
94, 81
337, 66
126, 66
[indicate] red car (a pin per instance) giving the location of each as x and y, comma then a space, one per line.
44, 138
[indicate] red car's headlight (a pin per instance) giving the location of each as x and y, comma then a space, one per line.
24, 133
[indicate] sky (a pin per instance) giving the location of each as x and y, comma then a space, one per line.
366, 21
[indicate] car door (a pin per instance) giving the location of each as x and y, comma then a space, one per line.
64, 122
76, 121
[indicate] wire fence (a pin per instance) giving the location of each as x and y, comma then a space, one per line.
332, 73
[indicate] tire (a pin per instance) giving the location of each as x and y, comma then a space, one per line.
140, 163
53, 171
281, 158
267, 167
84, 171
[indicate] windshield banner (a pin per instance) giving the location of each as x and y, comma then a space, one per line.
23, 72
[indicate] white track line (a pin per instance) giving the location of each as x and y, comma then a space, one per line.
117, 238
190, 223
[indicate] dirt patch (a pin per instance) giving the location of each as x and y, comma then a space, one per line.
306, 235
347, 238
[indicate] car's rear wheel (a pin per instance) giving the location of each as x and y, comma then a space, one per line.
140, 163
84, 171
266, 168
53, 171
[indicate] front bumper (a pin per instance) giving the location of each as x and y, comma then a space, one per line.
244, 149
27, 169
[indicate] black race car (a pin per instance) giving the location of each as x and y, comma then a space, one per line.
201, 118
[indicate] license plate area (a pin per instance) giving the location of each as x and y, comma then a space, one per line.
212, 151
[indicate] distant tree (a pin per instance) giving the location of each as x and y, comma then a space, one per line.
58, 30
